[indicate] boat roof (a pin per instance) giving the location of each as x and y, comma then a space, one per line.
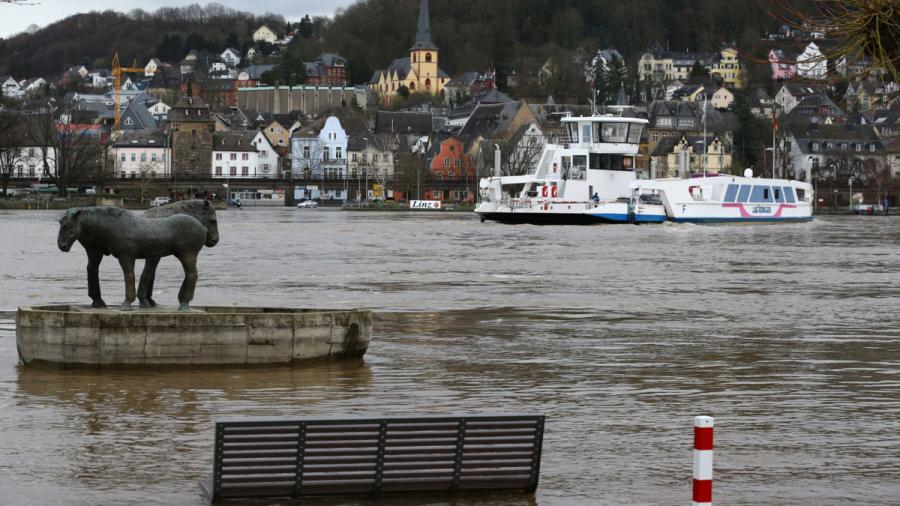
604, 117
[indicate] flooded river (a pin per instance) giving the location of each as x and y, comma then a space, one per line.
788, 335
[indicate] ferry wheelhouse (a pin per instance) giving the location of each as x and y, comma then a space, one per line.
586, 179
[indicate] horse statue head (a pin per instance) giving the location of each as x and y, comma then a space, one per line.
201, 210
69, 229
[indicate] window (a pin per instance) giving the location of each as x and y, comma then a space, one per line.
744, 193
245, 171
263, 154
779, 197
815, 146
133, 157
634, 133
218, 156
153, 157
427, 60
761, 194
384, 158
353, 157
245, 156
446, 162
579, 167
123, 157
143, 157
871, 148
664, 122
858, 147
193, 132
731, 193
232, 171
586, 134
218, 171
613, 132
232, 156
305, 151
606, 162
338, 152
458, 162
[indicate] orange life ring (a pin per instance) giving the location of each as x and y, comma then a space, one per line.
554, 191
543, 191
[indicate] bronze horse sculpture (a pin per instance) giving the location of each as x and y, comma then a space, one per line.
129, 236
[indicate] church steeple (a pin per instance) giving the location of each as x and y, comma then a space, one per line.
423, 34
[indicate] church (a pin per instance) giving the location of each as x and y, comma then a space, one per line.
420, 72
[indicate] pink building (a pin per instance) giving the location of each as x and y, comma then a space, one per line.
782, 66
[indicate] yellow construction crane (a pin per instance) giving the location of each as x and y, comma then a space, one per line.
117, 72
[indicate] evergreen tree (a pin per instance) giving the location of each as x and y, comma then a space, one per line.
171, 49
232, 40
698, 73
602, 91
616, 75
306, 27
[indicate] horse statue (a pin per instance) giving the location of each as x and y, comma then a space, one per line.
128, 236
204, 212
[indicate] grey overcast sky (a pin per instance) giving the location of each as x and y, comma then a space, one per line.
16, 18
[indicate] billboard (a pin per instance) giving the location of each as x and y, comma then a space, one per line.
424, 204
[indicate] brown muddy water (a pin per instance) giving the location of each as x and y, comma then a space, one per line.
788, 335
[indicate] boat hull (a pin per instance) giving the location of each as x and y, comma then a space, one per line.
545, 218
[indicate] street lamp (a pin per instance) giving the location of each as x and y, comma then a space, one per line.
227, 195
366, 167
850, 181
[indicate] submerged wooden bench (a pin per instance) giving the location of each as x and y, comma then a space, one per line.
281, 457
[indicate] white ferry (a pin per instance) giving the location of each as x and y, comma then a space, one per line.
591, 179
724, 198
585, 180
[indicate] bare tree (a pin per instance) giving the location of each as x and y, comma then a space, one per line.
307, 163
12, 140
77, 149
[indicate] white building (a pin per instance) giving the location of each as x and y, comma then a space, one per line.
11, 87
812, 64
265, 34
320, 154
31, 162
160, 111
269, 163
231, 57
33, 85
141, 155
235, 156
151, 67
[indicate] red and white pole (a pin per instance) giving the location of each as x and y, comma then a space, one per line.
703, 460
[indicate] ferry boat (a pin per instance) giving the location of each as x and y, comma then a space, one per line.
725, 198
591, 178
584, 180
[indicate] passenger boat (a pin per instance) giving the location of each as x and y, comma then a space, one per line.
725, 198
591, 178
583, 180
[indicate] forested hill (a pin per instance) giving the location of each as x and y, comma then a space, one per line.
91, 39
472, 34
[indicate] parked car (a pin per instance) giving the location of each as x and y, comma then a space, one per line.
308, 204
160, 201
862, 208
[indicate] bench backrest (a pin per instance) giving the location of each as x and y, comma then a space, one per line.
269, 457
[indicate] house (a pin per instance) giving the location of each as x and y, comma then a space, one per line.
783, 65
657, 64
269, 163
887, 123
419, 73
151, 67
265, 34
33, 162
251, 54
231, 57
690, 93
815, 109
495, 122
449, 160
328, 68
704, 155
278, 135
234, 155
867, 95
727, 67
762, 105
142, 154
11, 88
678, 119
34, 85
254, 72
319, 150
790, 94
137, 116
160, 111
468, 86
722, 98
811, 63
834, 153
370, 157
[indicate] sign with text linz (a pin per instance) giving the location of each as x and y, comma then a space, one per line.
424, 204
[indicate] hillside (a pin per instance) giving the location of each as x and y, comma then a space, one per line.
473, 35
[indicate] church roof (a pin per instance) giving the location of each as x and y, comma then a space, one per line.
423, 33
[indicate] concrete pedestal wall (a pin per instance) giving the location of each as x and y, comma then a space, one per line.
207, 335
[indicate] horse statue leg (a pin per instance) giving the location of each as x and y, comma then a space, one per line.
145, 287
128, 270
93, 274
186, 294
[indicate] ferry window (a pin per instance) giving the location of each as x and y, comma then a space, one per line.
634, 133
801, 194
585, 133
761, 194
615, 132
566, 166
606, 162
789, 195
744, 193
731, 193
596, 132
573, 132
579, 167
779, 197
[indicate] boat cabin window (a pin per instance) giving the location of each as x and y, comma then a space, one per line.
607, 162
801, 194
612, 132
789, 195
566, 166
761, 194
634, 133
776, 192
579, 167
744, 193
585, 133
731, 193
572, 129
